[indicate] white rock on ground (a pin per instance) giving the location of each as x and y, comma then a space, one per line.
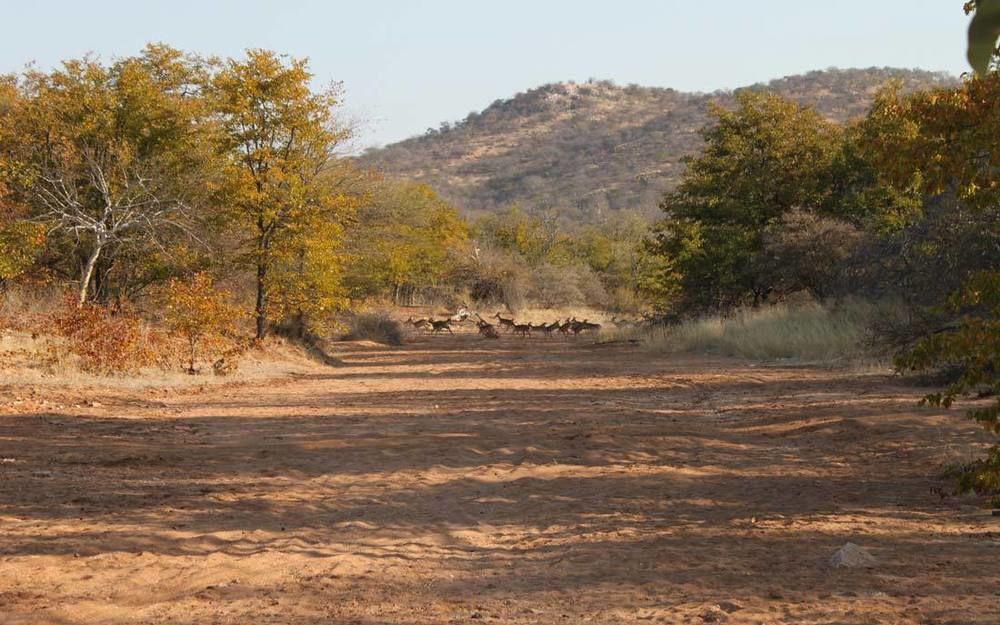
852, 556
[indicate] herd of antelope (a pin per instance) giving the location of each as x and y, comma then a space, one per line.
567, 327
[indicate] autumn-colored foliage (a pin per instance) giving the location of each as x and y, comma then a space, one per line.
199, 313
107, 341
20, 243
278, 138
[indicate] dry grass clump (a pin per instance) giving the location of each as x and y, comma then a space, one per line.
805, 332
377, 326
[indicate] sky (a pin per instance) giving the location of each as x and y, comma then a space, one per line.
410, 65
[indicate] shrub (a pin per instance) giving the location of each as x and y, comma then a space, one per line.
808, 251
198, 312
562, 286
108, 341
374, 326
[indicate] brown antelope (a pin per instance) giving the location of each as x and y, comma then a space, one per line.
438, 326
546, 328
485, 327
565, 326
584, 326
524, 329
506, 324
419, 324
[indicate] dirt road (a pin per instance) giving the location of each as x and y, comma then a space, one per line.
456, 480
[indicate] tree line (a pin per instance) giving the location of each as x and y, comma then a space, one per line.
131, 177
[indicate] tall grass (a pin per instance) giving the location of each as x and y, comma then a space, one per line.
806, 332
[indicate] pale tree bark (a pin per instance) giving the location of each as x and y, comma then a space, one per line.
88, 272
133, 206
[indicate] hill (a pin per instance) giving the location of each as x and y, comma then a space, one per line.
589, 148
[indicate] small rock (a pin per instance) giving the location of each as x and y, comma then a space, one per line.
852, 556
730, 606
476, 615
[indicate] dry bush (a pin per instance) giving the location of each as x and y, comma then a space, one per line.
376, 326
554, 286
108, 341
27, 308
198, 312
808, 251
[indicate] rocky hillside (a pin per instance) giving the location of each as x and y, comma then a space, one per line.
586, 149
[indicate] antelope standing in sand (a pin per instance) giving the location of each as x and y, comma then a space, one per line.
546, 328
485, 327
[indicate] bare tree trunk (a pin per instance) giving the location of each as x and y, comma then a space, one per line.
261, 308
88, 272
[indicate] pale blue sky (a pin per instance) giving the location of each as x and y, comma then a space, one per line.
410, 65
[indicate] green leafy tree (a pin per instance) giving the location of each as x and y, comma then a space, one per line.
515, 230
761, 160
20, 244
199, 312
950, 141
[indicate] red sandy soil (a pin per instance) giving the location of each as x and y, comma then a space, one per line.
459, 480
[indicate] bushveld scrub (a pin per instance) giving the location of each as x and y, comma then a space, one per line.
804, 332
376, 326
200, 314
108, 341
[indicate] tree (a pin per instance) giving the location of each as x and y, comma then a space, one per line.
807, 252
409, 237
972, 343
197, 311
761, 160
108, 155
513, 229
950, 146
279, 139
614, 249
20, 243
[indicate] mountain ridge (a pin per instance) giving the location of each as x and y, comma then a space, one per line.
584, 149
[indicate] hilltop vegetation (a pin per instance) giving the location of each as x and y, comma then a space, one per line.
586, 149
